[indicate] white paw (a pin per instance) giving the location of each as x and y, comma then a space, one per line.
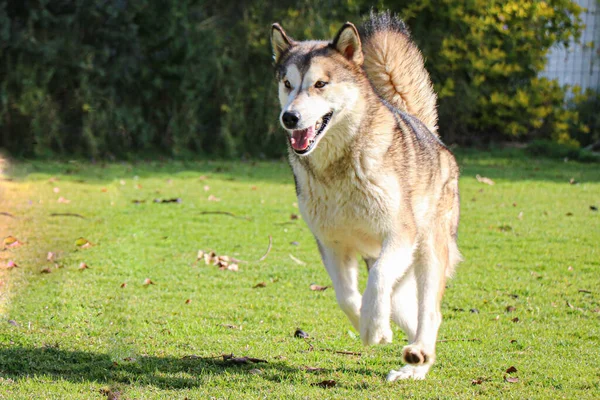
408, 372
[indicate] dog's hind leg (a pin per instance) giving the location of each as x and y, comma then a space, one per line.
342, 266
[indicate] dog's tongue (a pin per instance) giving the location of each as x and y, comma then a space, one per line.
301, 138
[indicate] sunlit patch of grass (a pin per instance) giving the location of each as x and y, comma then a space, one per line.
525, 297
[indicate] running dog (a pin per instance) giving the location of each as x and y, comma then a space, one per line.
372, 177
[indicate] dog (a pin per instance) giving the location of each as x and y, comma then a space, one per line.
372, 177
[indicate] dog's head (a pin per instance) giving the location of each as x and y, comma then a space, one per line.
317, 84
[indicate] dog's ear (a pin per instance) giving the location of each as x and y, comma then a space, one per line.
347, 42
280, 41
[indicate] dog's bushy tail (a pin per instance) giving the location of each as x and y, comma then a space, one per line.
396, 67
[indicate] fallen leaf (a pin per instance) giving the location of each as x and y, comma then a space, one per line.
213, 198
478, 381
253, 188
56, 190
51, 256
200, 255
122, 182
569, 304
233, 267
570, 268
11, 264
572, 181
148, 282
515, 319
593, 208
569, 214
46, 270
138, 201
229, 326
104, 190
259, 285
326, 383
511, 379
513, 340
209, 257
83, 266
11, 242
510, 308
511, 369
294, 243
188, 301
13, 322
206, 188
62, 200
485, 180
255, 371
123, 285
294, 216
171, 200
474, 311
300, 334
83, 243
318, 288
520, 216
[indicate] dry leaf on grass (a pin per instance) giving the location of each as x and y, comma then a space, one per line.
62, 200
148, 282
123, 285
213, 198
83, 243
46, 270
188, 301
83, 266
485, 180
511, 369
301, 334
11, 264
511, 379
329, 383
50, 256
259, 285
318, 288
12, 242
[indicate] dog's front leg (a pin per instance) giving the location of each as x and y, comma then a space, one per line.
342, 266
395, 259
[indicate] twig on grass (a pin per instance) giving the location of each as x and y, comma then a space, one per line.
7, 214
67, 215
260, 259
459, 340
225, 213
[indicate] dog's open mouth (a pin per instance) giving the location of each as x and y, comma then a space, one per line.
303, 140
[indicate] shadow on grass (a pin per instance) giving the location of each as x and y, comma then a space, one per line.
165, 372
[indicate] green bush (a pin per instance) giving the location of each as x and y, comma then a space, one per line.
104, 78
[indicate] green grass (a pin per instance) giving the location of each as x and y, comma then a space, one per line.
78, 334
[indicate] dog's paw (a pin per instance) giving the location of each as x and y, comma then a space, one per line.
415, 354
375, 332
408, 372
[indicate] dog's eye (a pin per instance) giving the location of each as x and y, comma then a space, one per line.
320, 84
287, 84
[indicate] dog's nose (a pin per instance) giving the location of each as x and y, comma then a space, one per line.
290, 119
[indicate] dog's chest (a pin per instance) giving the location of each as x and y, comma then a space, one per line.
347, 210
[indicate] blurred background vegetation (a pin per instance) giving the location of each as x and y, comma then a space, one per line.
112, 78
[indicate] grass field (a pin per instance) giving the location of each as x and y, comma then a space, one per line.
527, 294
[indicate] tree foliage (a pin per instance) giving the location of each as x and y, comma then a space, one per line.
106, 78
